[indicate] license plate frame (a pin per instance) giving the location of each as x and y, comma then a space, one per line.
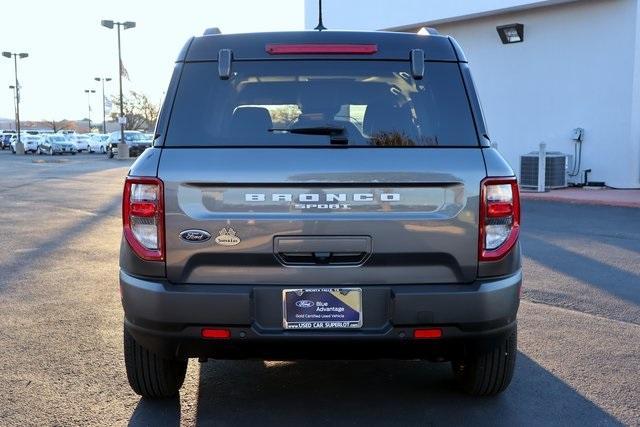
322, 308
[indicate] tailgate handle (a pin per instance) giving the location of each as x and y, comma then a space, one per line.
322, 250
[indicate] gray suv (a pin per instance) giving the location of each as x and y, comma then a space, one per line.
320, 195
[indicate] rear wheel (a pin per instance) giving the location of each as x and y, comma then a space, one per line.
488, 373
110, 154
149, 374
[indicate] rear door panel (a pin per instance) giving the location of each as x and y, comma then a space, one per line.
414, 210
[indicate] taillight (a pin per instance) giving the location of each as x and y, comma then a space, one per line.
499, 217
309, 49
143, 217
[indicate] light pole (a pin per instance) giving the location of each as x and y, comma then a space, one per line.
104, 108
123, 149
89, 92
12, 87
19, 146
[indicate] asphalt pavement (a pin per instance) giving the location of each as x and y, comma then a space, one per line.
60, 326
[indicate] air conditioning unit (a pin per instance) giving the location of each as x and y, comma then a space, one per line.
557, 165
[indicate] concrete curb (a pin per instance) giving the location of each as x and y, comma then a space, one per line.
551, 197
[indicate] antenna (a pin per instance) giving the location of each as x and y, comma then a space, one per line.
320, 27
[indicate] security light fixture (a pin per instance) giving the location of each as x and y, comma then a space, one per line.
106, 23
23, 55
6, 54
511, 33
128, 24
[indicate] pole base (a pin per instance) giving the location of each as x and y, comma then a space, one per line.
20, 148
123, 151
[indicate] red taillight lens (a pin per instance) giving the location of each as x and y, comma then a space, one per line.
310, 49
427, 334
499, 217
143, 217
216, 334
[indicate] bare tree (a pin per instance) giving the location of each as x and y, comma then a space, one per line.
140, 112
57, 125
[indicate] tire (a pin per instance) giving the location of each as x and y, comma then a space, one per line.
51, 151
102, 149
149, 374
488, 373
110, 154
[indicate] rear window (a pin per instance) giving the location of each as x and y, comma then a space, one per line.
371, 103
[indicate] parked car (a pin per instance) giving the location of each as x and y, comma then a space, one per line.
98, 142
5, 139
136, 141
81, 141
56, 143
66, 132
246, 235
30, 143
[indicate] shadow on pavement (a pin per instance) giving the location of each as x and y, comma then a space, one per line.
606, 277
53, 242
158, 413
406, 393
616, 226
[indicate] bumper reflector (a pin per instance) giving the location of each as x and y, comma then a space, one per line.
427, 334
216, 334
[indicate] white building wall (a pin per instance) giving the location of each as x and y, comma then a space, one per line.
576, 68
377, 14
579, 66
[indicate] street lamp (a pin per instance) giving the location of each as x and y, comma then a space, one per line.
123, 149
89, 92
12, 87
19, 146
104, 108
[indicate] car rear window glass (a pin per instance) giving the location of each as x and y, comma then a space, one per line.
371, 103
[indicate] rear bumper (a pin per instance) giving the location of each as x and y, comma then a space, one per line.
169, 318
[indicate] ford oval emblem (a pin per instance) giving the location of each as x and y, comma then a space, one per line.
195, 236
304, 303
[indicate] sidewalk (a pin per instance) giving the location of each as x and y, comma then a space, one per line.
606, 196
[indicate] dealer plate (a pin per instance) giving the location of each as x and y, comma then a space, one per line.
322, 308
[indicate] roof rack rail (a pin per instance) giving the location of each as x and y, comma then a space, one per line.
212, 31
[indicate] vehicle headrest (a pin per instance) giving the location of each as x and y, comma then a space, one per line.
250, 120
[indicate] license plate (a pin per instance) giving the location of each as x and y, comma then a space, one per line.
322, 308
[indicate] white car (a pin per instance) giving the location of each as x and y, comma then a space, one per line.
56, 144
98, 143
81, 141
30, 143
66, 132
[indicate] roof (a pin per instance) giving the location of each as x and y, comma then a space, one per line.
252, 46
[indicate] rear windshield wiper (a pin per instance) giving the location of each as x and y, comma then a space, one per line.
335, 133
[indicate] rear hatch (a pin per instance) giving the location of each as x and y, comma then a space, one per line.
321, 173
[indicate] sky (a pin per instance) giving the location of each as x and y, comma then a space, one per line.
67, 47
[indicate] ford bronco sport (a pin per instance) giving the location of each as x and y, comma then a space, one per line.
320, 195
